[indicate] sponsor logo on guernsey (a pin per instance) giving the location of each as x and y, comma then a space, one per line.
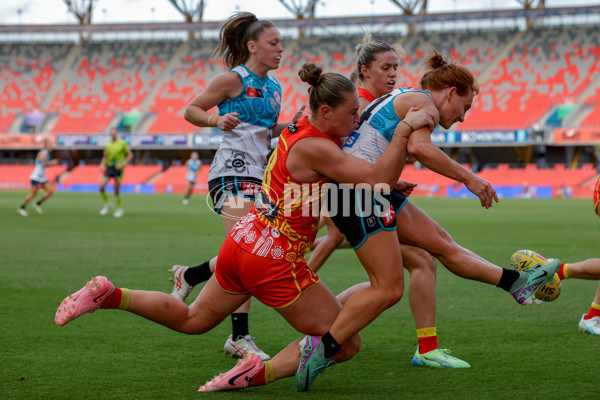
388, 216
292, 127
254, 92
351, 139
250, 188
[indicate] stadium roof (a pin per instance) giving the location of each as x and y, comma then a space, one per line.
323, 23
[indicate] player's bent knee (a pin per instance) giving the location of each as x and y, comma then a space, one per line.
430, 263
391, 294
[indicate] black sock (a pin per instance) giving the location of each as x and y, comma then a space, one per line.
331, 346
198, 274
239, 321
23, 206
508, 278
39, 203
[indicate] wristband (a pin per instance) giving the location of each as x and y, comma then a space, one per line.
399, 135
410, 126
210, 119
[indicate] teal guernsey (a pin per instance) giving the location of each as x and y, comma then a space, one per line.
244, 150
39, 171
378, 122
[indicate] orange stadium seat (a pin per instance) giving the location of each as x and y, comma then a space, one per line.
172, 180
27, 73
592, 120
17, 176
108, 78
83, 174
532, 176
135, 174
91, 174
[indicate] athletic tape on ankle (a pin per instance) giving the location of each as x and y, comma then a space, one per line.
125, 299
425, 332
269, 372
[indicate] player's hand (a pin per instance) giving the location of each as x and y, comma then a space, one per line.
418, 118
228, 121
482, 189
298, 114
406, 188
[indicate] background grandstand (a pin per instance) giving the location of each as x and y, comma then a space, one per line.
534, 129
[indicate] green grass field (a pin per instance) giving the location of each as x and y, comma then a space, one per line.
516, 352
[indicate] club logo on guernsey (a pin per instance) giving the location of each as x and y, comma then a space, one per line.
237, 162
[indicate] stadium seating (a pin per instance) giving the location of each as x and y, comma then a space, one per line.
188, 78
26, 74
546, 67
557, 176
592, 120
172, 180
106, 79
17, 176
83, 174
135, 174
91, 174
523, 76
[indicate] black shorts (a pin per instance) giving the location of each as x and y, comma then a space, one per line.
38, 184
363, 213
227, 186
113, 172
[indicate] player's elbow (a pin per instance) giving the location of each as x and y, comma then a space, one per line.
415, 149
187, 114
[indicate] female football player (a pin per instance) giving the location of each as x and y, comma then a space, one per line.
39, 180
263, 256
193, 164
249, 102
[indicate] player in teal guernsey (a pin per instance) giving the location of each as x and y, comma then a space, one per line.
243, 152
116, 156
249, 102
39, 180
447, 93
378, 63
193, 165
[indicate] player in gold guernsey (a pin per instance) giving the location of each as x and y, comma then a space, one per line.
117, 155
